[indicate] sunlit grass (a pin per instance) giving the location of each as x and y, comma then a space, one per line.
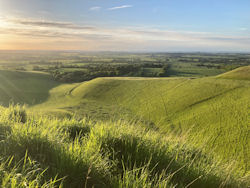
153, 133
213, 111
80, 153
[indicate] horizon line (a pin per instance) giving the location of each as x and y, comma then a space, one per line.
112, 51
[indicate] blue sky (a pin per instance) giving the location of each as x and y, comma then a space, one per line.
126, 25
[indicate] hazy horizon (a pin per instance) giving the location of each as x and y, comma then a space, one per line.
133, 52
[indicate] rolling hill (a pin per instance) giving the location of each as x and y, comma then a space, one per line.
209, 113
241, 73
212, 111
24, 87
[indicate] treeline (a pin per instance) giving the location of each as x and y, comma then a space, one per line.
222, 66
104, 70
92, 72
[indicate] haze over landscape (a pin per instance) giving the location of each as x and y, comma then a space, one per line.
125, 25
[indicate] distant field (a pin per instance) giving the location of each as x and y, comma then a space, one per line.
79, 66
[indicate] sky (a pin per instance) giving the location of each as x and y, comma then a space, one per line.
126, 25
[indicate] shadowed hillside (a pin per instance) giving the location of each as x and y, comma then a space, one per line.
24, 87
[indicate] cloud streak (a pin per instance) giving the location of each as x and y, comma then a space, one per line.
75, 36
120, 7
97, 8
42, 23
243, 29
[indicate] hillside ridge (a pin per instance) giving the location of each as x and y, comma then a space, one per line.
241, 73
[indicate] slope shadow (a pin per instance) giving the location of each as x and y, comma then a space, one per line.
21, 87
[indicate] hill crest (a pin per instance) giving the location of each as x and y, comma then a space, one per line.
241, 73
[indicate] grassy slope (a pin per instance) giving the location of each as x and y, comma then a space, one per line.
24, 87
241, 73
213, 111
111, 154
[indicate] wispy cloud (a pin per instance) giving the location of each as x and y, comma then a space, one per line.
243, 29
43, 34
120, 7
81, 36
229, 39
95, 8
44, 23
44, 12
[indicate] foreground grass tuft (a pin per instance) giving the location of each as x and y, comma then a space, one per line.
50, 152
16, 113
22, 174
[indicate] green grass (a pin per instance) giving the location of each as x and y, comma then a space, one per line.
191, 70
152, 72
161, 119
73, 69
214, 111
241, 73
24, 87
79, 153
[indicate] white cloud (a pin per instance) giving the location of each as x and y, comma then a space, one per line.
243, 29
120, 7
114, 38
95, 8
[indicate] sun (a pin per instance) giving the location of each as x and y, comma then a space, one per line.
3, 23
